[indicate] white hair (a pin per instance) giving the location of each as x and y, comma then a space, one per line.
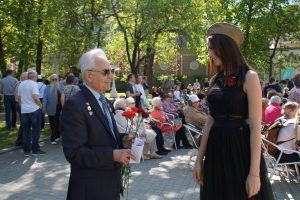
129, 100
155, 101
87, 60
275, 99
120, 103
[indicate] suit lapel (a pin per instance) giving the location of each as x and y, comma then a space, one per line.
96, 108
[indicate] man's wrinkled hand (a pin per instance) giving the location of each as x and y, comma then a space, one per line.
122, 156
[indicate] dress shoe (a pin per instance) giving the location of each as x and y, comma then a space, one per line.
155, 156
161, 152
166, 150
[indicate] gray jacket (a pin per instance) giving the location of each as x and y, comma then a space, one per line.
50, 101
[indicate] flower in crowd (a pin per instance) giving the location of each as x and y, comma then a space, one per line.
134, 109
129, 114
230, 81
143, 113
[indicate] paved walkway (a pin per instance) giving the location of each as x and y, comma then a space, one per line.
46, 178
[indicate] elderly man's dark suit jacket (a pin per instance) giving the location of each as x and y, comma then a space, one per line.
88, 145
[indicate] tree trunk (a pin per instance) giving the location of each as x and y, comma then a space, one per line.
248, 25
2, 59
39, 47
272, 56
149, 62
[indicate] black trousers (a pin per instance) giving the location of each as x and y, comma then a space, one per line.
159, 137
180, 136
286, 158
54, 124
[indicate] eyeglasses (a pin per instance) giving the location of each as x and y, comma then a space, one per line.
104, 72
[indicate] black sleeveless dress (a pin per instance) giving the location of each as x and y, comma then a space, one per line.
227, 157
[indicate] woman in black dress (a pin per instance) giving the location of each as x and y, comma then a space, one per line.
234, 168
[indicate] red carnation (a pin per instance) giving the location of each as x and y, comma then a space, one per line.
128, 114
134, 109
143, 113
231, 81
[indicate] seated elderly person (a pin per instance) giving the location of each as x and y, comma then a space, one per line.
160, 116
168, 104
192, 113
144, 132
286, 139
273, 111
202, 102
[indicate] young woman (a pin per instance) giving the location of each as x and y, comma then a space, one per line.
233, 167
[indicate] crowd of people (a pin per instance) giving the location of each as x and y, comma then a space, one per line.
169, 107
280, 107
33, 96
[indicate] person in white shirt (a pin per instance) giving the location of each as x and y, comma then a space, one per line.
19, 140
140, 89
288, 133
144, 131
196, 84
177, 93
28, 98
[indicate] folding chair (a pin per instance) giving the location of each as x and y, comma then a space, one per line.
171, 124
197, 134
275, 162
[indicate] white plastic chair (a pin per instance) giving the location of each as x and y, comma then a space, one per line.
275, 162
198, 133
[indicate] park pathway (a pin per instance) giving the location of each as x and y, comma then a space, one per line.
46, 178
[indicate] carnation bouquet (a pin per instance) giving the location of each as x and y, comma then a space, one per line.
131, 133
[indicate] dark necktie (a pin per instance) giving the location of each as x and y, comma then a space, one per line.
107, 114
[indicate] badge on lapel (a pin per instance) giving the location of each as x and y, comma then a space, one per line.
89, 108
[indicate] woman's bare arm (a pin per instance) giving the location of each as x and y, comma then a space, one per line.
208, 124
253, 90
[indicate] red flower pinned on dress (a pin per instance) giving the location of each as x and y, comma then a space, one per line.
134, 109
129, 114
230, 81
143, 113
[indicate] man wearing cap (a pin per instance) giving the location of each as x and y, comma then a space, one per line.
192, 114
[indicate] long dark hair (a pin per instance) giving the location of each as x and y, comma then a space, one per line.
233, 62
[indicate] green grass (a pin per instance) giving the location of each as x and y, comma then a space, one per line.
8, 138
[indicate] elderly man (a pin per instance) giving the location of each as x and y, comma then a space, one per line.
90, 138
28, 93
7, 87
23, 77
192, 114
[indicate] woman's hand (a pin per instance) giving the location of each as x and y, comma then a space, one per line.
252, 185
197, 172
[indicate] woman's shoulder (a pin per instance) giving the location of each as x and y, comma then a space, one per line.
250, 74
251, 77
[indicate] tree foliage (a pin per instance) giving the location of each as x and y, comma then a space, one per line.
51, 35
